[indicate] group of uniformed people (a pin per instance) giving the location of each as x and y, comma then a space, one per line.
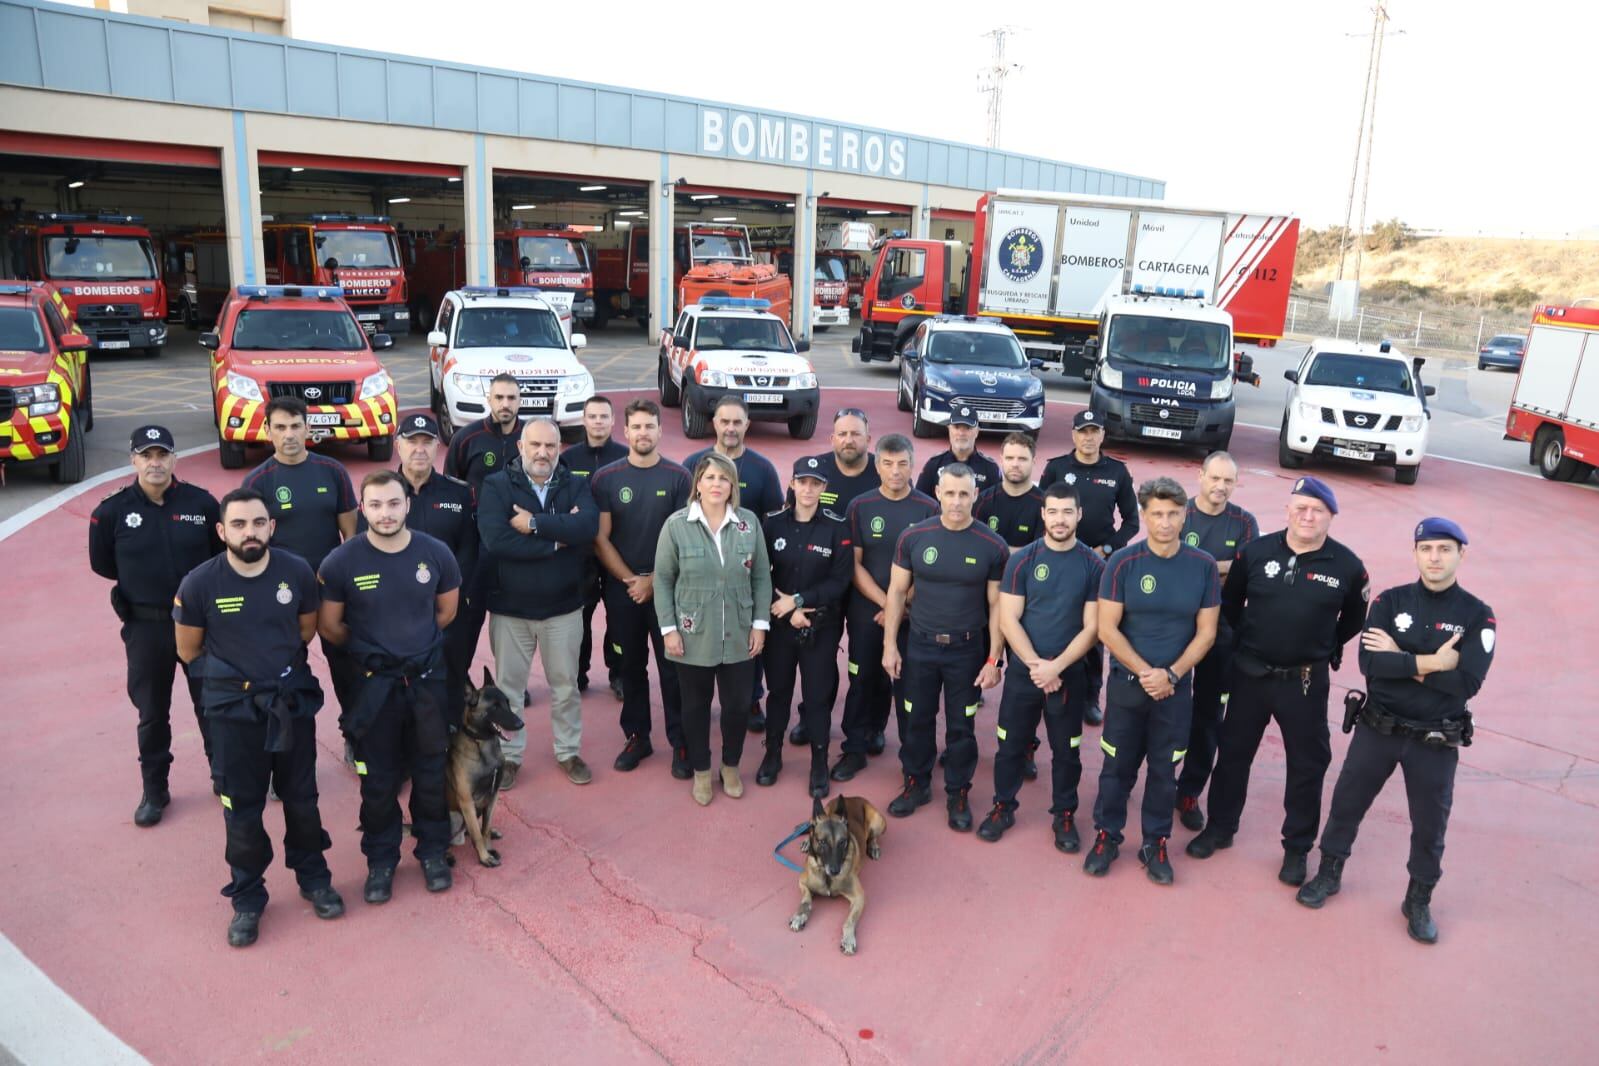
991, 581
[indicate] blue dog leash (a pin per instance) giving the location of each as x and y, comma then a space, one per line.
777, 852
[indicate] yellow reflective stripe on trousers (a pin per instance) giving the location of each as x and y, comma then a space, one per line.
360, 768
1077, 741
1177, 756
854, 668
1107, 747
1001, 731
971, 712
907, 706
227, 802
618, 649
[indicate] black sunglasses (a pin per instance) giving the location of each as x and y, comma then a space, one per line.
848, 412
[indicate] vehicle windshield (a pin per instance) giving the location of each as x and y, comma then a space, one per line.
1173, 343
831, 270
296, 329
754, 334
1342, 371
509, 327
358, 248
720, 248
99, 258
998, 350
21, 330
1508, 340
551, 253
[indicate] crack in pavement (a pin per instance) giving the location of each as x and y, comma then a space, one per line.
696, 936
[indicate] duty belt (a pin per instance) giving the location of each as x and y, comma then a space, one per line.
1445, 733
963, 637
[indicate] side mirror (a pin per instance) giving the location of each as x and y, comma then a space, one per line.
74, 342
330, 264
668, 339
802, 346
579, 340
380, 341
437, 339
1243, 365
1292, 375
210, 341
1035, 364
910, 355
1429, 390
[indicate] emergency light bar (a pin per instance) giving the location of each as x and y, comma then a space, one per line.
1170, 291
499, 290
15, 290
267, 292
743, 302
82, 216
350, 218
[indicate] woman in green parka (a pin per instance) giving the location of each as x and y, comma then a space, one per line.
713, 601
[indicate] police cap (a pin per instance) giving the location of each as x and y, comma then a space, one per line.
810, 468
146, 437
1317, 488
962, 416
419, 423
1438, 528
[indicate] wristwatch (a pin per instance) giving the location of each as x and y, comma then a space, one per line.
1172, 674
799, 601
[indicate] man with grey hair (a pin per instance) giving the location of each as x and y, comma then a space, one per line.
1219, 528
1158, 604
538, 524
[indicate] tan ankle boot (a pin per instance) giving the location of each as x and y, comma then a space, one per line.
702, 787
731, 783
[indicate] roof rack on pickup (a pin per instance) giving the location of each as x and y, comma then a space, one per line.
474, 292
269, 292
733, 303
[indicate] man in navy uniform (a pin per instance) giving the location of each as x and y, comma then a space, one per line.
962, 449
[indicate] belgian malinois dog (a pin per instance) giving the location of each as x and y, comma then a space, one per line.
472, 775
841, 834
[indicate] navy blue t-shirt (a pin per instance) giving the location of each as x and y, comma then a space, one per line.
639, 500
758, 487
1222, 536
1160, 598
950, 570
250, 623
1055, 585
389, 597
305, 500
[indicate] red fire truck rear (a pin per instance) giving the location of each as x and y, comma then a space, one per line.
359, 254
553, 258
195, 269
1555, 407
829, 282
714, 260
104, 266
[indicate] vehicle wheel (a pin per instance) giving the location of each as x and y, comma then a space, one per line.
900, 395
1481, 365
1406, 475
1553, 463
189, 314
380, 449
1221, 443
87, 414
435, 403
920, 427
230, 452
69, 469
821, 329
696, 424
446, 427
802, 427
671, 395
1287, 458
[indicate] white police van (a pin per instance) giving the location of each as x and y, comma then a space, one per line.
482, 331
1362, 403
732, 345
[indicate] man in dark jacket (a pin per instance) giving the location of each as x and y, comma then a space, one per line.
538, 524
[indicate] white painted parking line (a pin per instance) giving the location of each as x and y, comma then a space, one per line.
41, 1024
20, 520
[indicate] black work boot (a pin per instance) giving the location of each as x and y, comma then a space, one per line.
1189, 814
244, 928
326, 902
960, 811
1417, 910
680, 767
799, 736
151, 806
999, 819
436, 874
757, 719
912, 797
849, 764
1293, 870
1209, 841
1092, 715
771, 766
1030, 766
1065, 829
635, 751
819, 786
876, 743
1157, 864
1102, 855
379, 884
1327, 882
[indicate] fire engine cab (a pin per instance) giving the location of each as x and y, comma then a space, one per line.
360, 254
45, 404
104, 266
284, 340
1555, 407
731, 345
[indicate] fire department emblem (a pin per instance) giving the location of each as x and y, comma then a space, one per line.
930, 556
1191, 539
488, 459
133, 520
993, 522
1021, 254
780, 543
878, 524
285, 595
1041, 572
1402, 621
284, 494
423, 574
626, 494
908, 300
1273, 568
1146, 584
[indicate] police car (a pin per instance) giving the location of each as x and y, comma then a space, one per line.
724, 345
482, 331
1364, 403
964, 361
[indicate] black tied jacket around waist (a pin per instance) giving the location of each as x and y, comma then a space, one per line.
415, 682
228, 694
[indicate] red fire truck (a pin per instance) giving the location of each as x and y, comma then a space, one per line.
359, 254
1555, 407
713, 260
195, 269
829, 282
104, 266
553, 258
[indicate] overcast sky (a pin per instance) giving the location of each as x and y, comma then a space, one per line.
1483, 125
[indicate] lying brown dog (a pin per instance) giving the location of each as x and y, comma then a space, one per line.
841, 833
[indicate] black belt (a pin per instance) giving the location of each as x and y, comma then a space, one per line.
1445, 733
963, 637
143, 612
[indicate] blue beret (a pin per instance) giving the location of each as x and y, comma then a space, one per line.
1313, 486
1437, 528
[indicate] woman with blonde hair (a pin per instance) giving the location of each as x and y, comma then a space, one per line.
713, 597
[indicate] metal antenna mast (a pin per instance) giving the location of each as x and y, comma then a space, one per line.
1364, 133
992, 81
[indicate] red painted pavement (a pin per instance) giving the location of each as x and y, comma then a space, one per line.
627, 924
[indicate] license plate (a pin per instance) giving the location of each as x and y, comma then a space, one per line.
763, 397
536, 403
369, 318
1354, 453
1163, 433
116, 344
992, 416
331, 418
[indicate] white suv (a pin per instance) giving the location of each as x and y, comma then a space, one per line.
731, 345
482, 331
1360, 402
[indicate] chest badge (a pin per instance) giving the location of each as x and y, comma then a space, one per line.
878, 524
283, 494
285, 595
489, 459
626, 495
780, 543
1041, 572
1070, 479
133, 520
1273, 568
930, 556
1146, 584
1191, 539
1403, 621
423, 574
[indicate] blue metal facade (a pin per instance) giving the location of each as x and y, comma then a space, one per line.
49, 46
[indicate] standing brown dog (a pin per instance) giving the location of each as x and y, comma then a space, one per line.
840, 835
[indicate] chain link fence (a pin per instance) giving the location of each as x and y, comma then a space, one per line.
1420, 330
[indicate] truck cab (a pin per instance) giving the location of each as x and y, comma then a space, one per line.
910, 282
1165, 370
553, 259
45, 401
358, 254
